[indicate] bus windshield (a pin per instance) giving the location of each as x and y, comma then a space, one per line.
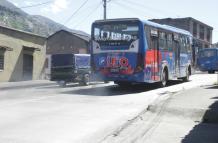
111, 34
208, 53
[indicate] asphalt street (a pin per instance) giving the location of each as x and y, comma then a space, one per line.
42, 112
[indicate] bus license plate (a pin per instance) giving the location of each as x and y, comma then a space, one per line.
115, 70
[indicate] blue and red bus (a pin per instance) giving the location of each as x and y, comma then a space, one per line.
130, 51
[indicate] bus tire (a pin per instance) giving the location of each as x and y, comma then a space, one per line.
122, 84
164, 78
186, 78
106, 81
211, 72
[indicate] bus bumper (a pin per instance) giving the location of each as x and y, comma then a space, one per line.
136, 77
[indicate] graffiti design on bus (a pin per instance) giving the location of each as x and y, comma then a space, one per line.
135, 51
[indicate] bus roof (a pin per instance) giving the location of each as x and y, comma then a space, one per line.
205, 49
150, 23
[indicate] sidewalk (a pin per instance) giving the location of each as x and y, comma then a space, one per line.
24, 84
187, 117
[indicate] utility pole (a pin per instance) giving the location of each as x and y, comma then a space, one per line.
105, 9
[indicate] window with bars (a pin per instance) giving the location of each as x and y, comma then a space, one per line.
201, 32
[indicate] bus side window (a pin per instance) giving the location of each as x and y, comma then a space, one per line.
183, 44
154, 43
162, 41
147, 36
176, 43
170, 42
188, 44
153, 39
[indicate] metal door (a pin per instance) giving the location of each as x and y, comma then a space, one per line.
27, 67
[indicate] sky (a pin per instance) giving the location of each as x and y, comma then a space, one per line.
66, 11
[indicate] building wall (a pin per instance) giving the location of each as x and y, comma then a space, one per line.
13, 56
179, 23
193, 26
64, 42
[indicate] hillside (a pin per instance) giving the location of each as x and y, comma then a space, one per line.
13, 17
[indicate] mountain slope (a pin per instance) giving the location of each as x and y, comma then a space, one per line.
13, 17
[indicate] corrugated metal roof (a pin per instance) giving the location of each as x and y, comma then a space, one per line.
80, 34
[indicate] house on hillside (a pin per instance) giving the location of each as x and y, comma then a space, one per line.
22, 55
63, 42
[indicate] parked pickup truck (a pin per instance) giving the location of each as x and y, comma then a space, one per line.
66, 68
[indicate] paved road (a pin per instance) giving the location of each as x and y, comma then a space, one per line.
46, 113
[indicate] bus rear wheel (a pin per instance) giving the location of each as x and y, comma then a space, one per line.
122, 84
211, 72
188, 73
164, 78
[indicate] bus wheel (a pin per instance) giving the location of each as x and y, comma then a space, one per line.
123, 84
164, 78
211, 72
106, 81
186, 79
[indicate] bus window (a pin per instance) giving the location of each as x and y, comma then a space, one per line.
188, 44
170, 42
162, 41
154, 43
153, 39
97, 34
208, 53
147, 36
183, 44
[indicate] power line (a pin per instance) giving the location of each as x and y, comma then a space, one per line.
90, 14
36, 5
83, 4
157, 11
145, 6
134, 10
125, 8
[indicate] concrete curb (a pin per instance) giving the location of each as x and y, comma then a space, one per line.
24, 84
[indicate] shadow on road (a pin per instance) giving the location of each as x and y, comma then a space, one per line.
115, 90
213, 87
207, 130
70, 85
